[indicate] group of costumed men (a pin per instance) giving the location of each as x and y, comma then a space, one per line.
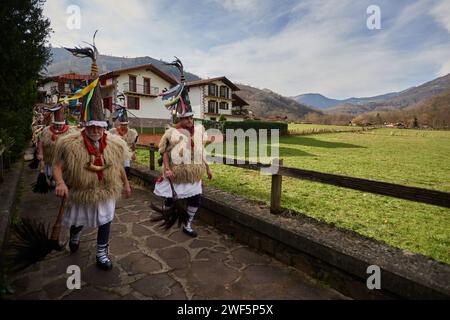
89, 166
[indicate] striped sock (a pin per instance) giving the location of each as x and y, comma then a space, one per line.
102, 253
75, 233
191, 212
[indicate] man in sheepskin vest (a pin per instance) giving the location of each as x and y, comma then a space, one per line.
48, 137
183, 153
88, 170
129, 135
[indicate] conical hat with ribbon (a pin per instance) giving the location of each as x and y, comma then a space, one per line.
91, 113
176, 99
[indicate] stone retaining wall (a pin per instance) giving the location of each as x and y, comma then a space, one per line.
338, 257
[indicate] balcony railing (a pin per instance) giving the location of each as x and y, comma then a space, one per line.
140, 89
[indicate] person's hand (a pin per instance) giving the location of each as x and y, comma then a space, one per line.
210, 175
61, 190
127, 190
169, 173
40, 157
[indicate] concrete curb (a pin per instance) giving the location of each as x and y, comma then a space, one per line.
339, 257
8, 192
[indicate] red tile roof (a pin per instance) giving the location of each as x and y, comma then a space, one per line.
148, 66
207, 81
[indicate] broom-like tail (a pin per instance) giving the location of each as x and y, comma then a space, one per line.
41, 185
175, 215
30, 243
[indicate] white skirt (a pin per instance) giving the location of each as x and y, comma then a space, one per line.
91, 216
48, 170
183, 190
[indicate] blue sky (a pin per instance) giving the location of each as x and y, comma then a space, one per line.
290, 47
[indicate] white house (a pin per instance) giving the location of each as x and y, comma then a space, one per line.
64, 84
211, 98
141, 85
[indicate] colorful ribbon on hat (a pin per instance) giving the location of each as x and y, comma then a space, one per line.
86, 93
82, 93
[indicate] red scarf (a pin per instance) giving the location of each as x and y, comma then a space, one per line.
95, 152
55, 132
190, 130
121, 132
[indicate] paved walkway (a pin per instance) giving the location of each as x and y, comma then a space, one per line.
150, 263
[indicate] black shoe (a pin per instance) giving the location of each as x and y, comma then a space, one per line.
190, 233
106, 265
74, 246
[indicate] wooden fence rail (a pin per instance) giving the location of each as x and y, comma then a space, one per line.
433, 197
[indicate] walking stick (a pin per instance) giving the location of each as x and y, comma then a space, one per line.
56, 230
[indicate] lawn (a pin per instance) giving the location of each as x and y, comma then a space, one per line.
407, 157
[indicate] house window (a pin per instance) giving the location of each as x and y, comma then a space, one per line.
212, 107
61, 86
224, 91
133, 103
132, 83
212, 90
224, 105
147, 85
107, 103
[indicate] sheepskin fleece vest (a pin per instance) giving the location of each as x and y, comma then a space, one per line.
48, 146
84, 186
129, 137
186, 163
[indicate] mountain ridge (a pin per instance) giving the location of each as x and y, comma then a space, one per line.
388, 101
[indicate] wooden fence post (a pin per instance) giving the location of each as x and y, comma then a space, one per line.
152, 156
275, 194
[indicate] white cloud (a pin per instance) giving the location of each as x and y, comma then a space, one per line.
441, 12
316, 54
324, 47
239, 5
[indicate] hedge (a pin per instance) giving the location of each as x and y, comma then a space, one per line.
252, 124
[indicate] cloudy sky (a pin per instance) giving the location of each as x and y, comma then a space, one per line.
290, 47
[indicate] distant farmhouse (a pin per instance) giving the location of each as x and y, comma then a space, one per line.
212, 98
142, 85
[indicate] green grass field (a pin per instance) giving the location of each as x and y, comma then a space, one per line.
407, 157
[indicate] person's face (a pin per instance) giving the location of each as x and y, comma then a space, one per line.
58, 126
94, 133
187, 122
123, 126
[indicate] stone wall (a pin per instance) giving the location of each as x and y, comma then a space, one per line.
338, 257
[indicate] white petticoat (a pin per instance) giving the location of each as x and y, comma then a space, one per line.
183, 190
91, 216
48, 170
